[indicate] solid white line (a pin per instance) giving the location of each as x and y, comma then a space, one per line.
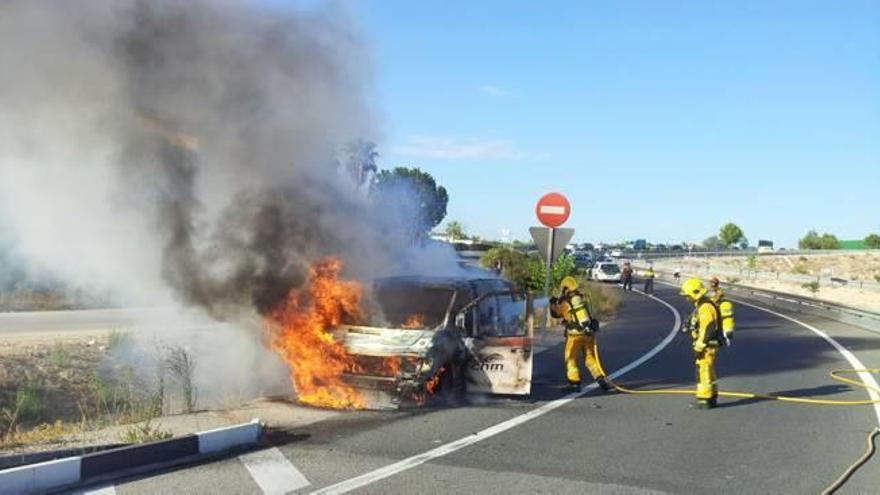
275, 474
417, 460
867, 378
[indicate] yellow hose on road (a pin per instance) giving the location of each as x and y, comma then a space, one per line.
834, 374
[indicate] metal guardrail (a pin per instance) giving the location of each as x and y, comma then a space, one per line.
799, 304
733, 253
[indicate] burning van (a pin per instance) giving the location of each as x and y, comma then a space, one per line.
438, 338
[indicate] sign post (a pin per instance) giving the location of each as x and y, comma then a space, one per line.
552, 210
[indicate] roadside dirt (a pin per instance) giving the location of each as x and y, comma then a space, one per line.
851, 267
47, 379
848, 266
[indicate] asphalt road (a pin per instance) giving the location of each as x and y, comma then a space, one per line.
27, 323
593, 443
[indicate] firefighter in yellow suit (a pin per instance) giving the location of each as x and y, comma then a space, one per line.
580, 338
705, 329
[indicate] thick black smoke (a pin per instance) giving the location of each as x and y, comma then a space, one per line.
193, 141
244, 85
167, 151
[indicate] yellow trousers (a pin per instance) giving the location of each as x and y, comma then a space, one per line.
707, 387
575, 345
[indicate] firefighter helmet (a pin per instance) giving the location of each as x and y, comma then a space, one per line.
693, 288
568, 284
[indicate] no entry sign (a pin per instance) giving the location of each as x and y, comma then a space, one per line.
553, 210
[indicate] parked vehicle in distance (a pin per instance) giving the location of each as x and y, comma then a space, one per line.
765, 246
606, 272
583, 259
616, 253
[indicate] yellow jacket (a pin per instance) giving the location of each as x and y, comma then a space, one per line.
706, 333
576, 312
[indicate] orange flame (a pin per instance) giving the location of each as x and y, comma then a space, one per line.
414, 321
301, 327
376, 366
431, 384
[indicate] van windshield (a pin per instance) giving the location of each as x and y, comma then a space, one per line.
412, 306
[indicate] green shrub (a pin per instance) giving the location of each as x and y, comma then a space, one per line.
812, 286
59, 357
752, 262
143, 432
29, 400
527, 271
800, 269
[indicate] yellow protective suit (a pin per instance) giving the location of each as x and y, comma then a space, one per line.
579, 341
575, 347
706, 340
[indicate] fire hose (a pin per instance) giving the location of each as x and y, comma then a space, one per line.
834, 374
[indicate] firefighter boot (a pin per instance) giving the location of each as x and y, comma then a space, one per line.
604, 385
707, 403
572, 387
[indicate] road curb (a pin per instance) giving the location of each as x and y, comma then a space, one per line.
72, 471
25, 458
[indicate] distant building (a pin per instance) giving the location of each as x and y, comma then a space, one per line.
853, 245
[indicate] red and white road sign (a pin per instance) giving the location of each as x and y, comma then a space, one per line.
553, 210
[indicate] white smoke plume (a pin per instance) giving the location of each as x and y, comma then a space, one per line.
182, 151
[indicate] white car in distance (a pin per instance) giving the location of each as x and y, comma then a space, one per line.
606, 272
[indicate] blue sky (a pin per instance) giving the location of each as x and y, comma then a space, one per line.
659, 120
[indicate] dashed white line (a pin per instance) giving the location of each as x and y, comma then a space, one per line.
417, 460
275, 474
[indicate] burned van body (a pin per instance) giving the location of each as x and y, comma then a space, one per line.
439, 338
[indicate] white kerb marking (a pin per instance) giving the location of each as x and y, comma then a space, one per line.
275, 474
867, 378
552, 210
104, 490
417, 460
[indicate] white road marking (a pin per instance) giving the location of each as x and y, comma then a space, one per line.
275, 474
553, 210
867, 378
417, 460
104, 490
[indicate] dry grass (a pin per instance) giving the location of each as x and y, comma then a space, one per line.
605, 299
847, 265
143, 432
51, 389
45, 433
